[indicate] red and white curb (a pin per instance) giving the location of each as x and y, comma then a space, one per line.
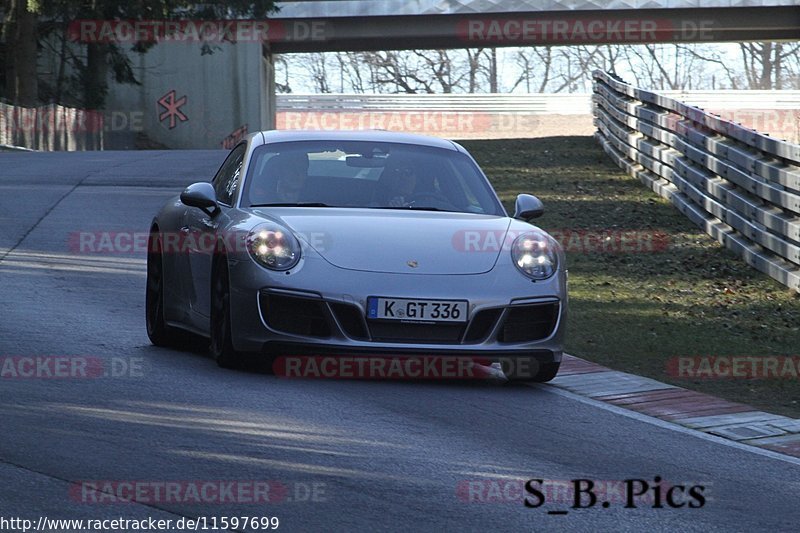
735, 421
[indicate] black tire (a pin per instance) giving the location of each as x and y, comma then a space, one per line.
547, 371
221, 345
158, 331
531, 372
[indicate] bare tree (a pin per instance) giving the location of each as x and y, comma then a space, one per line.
427, 71
440, 65
711, 57
394, 71
19, 34
662, 66
317, 66
535, 64
493, 70
473, 68
351, 72
681, 66
282, 67
764, 64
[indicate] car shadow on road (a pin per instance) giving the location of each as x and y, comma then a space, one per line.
470, 376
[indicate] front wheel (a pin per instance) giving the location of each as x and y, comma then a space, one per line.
158, 331
221, 344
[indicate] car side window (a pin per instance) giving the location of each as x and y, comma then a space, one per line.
227, 179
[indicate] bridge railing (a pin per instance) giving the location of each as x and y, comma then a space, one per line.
51, 127
741, 186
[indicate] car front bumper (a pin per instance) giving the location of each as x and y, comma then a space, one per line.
321, 291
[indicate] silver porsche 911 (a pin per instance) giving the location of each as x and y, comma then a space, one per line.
356, 243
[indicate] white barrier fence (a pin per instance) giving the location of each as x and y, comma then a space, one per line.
457, 116
556, 104
454, 116
741, 186
462, 116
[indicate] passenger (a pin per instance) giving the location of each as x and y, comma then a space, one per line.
282, 180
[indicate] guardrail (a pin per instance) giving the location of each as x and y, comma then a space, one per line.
741, 186
51, 127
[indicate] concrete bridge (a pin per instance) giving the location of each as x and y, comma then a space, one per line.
191, 100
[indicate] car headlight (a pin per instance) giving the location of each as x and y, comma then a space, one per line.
535, 254
273, 246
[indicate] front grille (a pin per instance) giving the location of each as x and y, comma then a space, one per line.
403, 332
311, 317
295, 315
481, 325
526, 323
351, 319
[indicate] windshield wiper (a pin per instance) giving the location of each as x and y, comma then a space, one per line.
414, 208
320, 204
424, 208
294, 204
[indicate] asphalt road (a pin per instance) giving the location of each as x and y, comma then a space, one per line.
351, 455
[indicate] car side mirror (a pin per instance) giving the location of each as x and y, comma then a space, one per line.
527, 207
200, 195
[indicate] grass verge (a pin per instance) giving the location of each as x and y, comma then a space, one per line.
636, 311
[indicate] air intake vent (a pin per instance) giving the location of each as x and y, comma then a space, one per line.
526, 323
482, 324
295, 315
351, 319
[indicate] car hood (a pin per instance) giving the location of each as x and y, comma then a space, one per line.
398, 241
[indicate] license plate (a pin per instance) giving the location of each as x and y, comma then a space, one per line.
413, 310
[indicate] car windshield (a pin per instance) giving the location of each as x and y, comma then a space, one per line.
367, 175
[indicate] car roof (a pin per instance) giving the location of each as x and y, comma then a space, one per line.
272, 136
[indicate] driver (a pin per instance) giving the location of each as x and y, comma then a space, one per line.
401, 187
396, 185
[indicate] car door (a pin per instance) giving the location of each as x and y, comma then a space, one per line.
200, 231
